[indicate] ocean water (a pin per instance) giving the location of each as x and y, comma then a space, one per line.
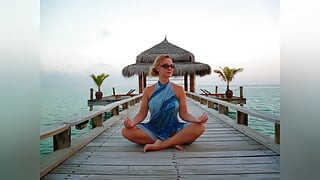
59, 104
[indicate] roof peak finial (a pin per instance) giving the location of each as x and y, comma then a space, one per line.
165, 38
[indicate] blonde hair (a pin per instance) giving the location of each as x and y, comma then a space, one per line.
153, 71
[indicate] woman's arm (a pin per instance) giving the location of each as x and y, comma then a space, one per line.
183, 111
143, 112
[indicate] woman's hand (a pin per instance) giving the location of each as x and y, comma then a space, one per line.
203, 118
128, 123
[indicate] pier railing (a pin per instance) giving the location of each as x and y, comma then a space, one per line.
242, 119
61, 132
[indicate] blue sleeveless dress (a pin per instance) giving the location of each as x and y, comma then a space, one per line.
164, 106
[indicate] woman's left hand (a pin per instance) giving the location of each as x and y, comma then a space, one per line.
203, 118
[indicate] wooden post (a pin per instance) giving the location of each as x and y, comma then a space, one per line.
113, 91
91, 98
216, 90
241, 94
125, 105
140, 84
203, 101
242, 118
210, 104
186, 82
277, 133
131, 103
97, 121
115, 111
222, 109
192, 82
62, 140
144, 81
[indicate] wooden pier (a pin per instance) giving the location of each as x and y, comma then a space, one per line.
228, 149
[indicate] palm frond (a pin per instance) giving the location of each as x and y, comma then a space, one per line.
220, 73
98, 80
227, 74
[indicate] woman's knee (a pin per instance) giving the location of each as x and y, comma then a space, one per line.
125, 132
200, 127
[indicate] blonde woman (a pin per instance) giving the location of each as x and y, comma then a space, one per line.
164, 99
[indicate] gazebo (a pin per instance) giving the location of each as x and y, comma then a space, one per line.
183, 59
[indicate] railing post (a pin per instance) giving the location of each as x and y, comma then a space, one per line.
241, 94
91, 98
62, 140
131, 103
216, 90
242, 118
115, 111
125, 105
203, 101
222, 109
97, 121
277, 133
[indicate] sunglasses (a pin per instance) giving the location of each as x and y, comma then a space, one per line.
166, 66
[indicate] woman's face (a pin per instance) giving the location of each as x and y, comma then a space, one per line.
166, 68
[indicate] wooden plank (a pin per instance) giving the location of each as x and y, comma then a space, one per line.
177, 154
161, 161
111, 176
115, 170
221, 154
122, 155
228, 160
188, 148
268, 176
129, 161
229, 169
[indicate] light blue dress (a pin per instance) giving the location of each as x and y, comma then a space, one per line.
164, 106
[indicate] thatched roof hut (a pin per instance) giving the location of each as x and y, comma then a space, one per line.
183, 59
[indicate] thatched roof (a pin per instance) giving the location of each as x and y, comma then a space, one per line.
177, 54
183, 59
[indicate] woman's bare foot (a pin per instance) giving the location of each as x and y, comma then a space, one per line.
179, 147
155, 146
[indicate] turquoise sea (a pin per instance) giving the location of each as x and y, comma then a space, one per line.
58, 104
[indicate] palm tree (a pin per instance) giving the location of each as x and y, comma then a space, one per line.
98, 80
227, 74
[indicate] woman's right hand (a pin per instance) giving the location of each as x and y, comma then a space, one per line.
128, 123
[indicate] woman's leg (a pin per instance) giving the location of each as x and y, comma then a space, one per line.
186, 135
136, 135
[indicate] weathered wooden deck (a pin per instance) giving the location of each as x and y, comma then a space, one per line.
222, 152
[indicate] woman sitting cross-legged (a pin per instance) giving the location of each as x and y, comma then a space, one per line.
164, 99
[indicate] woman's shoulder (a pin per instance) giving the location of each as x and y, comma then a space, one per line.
177, 87
149, 89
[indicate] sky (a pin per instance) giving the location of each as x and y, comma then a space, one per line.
81, 37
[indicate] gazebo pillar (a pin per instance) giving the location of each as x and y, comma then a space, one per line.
186, 82
144, 81
192, 82
140, 83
